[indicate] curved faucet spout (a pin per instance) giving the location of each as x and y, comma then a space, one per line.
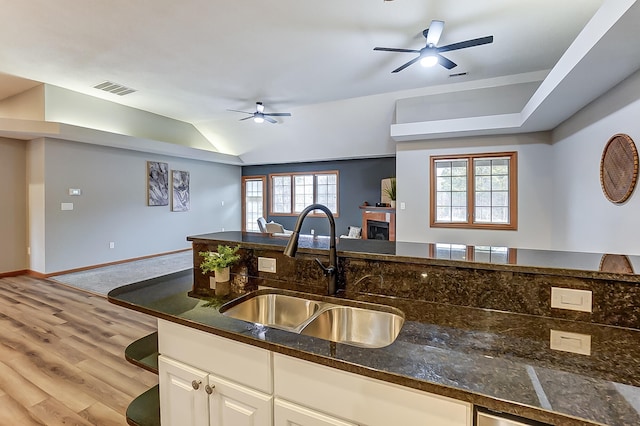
290, 250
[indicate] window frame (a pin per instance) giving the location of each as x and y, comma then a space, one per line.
471, 190
244, 180
292, 175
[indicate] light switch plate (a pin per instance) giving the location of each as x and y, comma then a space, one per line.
570, 342
266, 264
75, 191
568, 298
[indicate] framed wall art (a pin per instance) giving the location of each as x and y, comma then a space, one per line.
180, 196
157, 183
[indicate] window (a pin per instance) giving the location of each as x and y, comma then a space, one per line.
253, 201
485, 254
292, 192
474, 191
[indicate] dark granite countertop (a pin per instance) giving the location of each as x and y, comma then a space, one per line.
618, 267
497, 360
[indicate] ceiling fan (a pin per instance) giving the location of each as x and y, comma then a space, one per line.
430, 54
259, 116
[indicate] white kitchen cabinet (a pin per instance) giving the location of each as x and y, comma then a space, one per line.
289, 414
251, 386
363, 400
192, 397
231, 404
183, 401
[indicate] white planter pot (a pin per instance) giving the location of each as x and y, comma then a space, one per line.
222, 275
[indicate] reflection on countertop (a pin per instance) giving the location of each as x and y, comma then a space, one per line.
497, 360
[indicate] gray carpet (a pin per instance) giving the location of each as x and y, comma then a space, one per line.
103, 280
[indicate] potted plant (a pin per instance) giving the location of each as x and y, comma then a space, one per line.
219, 262
390, 191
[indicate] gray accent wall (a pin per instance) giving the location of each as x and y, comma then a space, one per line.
359, 181
113, 205
13, 206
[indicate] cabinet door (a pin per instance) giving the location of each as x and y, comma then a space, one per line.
231, 404
288, 414
181, 404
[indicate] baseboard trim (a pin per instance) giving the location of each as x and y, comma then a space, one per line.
14, 273
86, 268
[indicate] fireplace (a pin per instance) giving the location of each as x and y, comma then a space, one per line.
377, 230
378, 223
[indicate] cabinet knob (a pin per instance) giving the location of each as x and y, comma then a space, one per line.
196, 384
209, 389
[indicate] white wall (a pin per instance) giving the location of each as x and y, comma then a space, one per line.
36, 203
66, 106
13, 206
534, 186
582, 217
113, 205
28, 105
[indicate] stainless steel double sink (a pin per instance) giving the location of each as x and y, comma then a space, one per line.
360, 324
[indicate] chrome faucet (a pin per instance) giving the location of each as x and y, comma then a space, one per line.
330, 271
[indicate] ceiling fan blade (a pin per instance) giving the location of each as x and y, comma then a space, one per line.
279, 114
244, 112
400, 68
393, 49
465, 44
269, 119
434, 32
445, 62
246, 118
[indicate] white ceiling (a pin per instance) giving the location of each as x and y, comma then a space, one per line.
191, 60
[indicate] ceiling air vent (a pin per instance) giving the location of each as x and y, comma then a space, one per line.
460, 74
115, 88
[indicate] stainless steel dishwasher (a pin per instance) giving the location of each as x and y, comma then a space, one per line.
489, 418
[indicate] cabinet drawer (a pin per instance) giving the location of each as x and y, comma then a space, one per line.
361, 399
239, 362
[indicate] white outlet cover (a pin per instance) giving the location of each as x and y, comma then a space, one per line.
66, 206
570, 342
267, 264
571, 299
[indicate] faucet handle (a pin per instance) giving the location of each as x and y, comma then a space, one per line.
326, 270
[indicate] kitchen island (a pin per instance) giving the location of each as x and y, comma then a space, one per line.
466, 355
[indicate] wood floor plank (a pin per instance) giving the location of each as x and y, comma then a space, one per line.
99, 414
118, 380
54, 413
62, 355
19, 388
13, 413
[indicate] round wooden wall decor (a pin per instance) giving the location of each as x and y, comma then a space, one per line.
616, 263
619, 168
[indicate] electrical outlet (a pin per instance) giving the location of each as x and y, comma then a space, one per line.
266, 264
570, 342
112, 245
66, 206
568, 298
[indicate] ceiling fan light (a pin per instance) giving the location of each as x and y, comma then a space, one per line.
258, 119
429, 61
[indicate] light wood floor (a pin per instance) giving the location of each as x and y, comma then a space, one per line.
62, 356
